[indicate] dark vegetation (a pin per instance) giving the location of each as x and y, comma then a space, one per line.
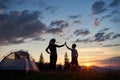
64, 75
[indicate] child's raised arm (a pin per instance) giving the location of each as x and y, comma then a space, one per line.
68, 47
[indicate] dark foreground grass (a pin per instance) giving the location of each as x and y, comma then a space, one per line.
63, 76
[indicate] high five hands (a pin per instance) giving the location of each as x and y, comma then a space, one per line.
65, 44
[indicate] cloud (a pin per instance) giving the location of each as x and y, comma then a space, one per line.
115, 3
96, 22
115, 20
38, 38
74, 16
77, 21
103, 36
98, 7
57, 27
38, 3
111, 45
4, 4
1, 11
55, 31
16, 27
57, 23
83, 40
115, 12
51, 9
104, 17
9, 4
116, 36
82, 32
100, 36
22, 1
105, 29
113, 61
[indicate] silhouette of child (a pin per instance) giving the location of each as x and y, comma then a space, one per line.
74, 55
51, 49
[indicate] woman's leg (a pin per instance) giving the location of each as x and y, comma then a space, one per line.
54, 61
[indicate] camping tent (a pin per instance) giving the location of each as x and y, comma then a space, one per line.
18, 61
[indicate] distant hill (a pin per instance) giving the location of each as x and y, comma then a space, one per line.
101, 69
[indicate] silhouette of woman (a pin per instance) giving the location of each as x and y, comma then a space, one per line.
51, 49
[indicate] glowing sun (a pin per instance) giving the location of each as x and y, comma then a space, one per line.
87, 64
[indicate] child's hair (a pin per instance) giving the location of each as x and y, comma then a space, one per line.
73, 45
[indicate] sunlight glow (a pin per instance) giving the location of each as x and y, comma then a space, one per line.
87, 64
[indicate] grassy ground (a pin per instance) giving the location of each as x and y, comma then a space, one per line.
63, 76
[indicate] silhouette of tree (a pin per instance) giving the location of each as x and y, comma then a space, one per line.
66, 58
41, 60
66, 62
